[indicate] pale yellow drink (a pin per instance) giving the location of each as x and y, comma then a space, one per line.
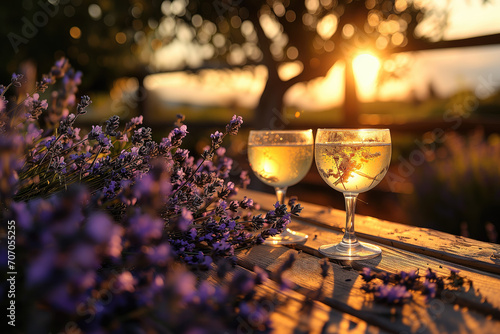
352, 167
280, 165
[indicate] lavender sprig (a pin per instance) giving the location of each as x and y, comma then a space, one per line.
399, 288
113, 213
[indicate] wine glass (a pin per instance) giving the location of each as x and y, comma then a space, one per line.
281, 159
352, 161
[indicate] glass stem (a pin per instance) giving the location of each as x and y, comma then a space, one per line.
280, 194
350, 207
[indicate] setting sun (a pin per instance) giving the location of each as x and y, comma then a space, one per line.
365, 67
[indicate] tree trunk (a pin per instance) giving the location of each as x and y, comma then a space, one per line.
351, 103
269, 113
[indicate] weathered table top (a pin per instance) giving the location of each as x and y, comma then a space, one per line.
344, 307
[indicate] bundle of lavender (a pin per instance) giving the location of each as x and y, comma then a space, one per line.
109, 223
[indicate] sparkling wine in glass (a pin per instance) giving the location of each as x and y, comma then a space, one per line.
352, 161
281, 159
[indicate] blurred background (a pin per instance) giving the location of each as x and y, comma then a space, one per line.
427, 70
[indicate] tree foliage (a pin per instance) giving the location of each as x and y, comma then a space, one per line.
116, 38
103, 38
314, 34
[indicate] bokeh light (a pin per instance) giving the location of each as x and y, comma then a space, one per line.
121, 38
75, 32
95, 11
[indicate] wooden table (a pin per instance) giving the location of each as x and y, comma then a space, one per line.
344, 307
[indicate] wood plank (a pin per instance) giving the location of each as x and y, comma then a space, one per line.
393, 260
288, 315
342, 292
440, 245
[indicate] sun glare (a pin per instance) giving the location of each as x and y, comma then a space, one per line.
365, 67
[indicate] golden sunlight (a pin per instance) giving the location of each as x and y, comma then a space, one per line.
365, 67
289, 70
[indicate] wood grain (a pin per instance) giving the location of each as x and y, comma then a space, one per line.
393, 260
469, 309
342, 291
440, 245
292, 313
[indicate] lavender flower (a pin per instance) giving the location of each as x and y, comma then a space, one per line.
125, 282
184, 220
207, 154
114, 221
246, 203
85, 101
137, 120
226, 190
60, 67
104, 141
180, 118
180, 155
65, 126
367, 275
295, 208
141, 135
95, 132
16, 79
58, 165
430, 275
177, 134
258, 222
32, 134
134, 122
408, 279
145, 227
244, 179
233, 206
35, 105
234, 125
99, 227
398, 288
216, 139
397, 294
430, 290
112, 125
43, 84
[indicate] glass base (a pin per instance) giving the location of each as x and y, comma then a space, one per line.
345, 251
287, 237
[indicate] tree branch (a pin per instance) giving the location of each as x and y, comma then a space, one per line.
422, 45
264, 45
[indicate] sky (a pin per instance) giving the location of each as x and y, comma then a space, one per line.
471, 18
475, 68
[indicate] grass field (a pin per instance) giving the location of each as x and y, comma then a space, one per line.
157, 110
